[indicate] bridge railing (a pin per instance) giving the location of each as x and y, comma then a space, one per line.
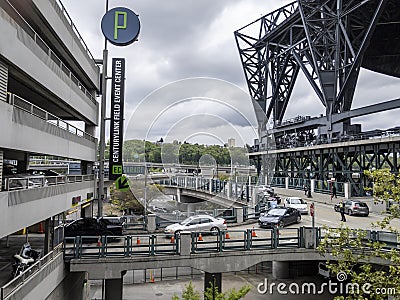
11, 286
228, 240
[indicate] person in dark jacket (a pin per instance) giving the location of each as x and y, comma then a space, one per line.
341, 209
334, 192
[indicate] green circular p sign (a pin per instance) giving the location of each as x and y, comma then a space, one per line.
120, 26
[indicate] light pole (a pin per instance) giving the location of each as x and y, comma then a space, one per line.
102, 145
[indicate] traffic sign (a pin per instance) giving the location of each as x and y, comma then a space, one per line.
312, 209
122, 183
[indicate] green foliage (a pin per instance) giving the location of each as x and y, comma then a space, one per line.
184, 153
354, 253
125, 200
211, 294
189, 293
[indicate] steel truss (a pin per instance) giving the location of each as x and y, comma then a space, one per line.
344, 163
325, 39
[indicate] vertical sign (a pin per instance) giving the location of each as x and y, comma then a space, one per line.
117, 117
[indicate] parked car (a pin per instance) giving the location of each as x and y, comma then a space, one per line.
297, 203
354, 207
198, 223
279, 217
93, 227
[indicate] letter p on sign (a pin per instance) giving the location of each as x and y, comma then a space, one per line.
117, 25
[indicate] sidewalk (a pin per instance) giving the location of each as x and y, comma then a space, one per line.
316, 197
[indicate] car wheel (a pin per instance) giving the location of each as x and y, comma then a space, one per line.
350, 212
298, 219
214, 231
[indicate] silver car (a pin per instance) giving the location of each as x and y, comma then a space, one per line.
198, 223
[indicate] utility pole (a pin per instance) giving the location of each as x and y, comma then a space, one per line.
102, 146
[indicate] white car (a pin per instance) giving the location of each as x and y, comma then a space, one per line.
297, 203
198, 223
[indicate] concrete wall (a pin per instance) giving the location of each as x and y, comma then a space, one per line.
52, 12
22, 208
51, 282
23, 131
26, 55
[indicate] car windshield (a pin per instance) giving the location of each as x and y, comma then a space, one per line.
276, 212
186, 221
297, 201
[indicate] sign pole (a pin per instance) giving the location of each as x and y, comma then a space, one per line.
102, 145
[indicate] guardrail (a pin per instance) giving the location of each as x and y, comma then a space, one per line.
20, 183
36, 111
24, 25
228, 240
11, 286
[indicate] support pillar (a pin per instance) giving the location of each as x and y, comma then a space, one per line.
178, 195
185, 243
239, 215
287, 183
229, 187
151, 223
213, 278
48, 236
312, 185
211, 186
1, 168
113, 289
346, 188
280, 269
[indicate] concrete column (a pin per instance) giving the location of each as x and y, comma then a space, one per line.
280, 269
210, 187
309, 236
186, 243
113, 289
287, 183
312, 185
214, 279
1, 167
197, 183
229, 187
178, 195
346, 188
186, 180
90, 129
254, 195
48, 236
239, 214
266, 180
151, 223
23, 163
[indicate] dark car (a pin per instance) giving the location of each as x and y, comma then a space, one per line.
280, 216
92, 227
352, 207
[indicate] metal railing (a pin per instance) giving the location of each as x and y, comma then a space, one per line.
11, 286
24, 25
228, 240
36, 111
20, 183
67, 18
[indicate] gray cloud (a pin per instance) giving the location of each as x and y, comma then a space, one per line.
188, 38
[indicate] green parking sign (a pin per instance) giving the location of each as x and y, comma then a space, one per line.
117, 169
122, 183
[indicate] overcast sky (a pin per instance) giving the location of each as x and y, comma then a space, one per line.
184, 78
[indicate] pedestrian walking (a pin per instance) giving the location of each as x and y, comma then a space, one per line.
305, 189
334, 191
341, 209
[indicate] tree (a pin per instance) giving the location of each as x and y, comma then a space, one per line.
190, 293
354, 252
